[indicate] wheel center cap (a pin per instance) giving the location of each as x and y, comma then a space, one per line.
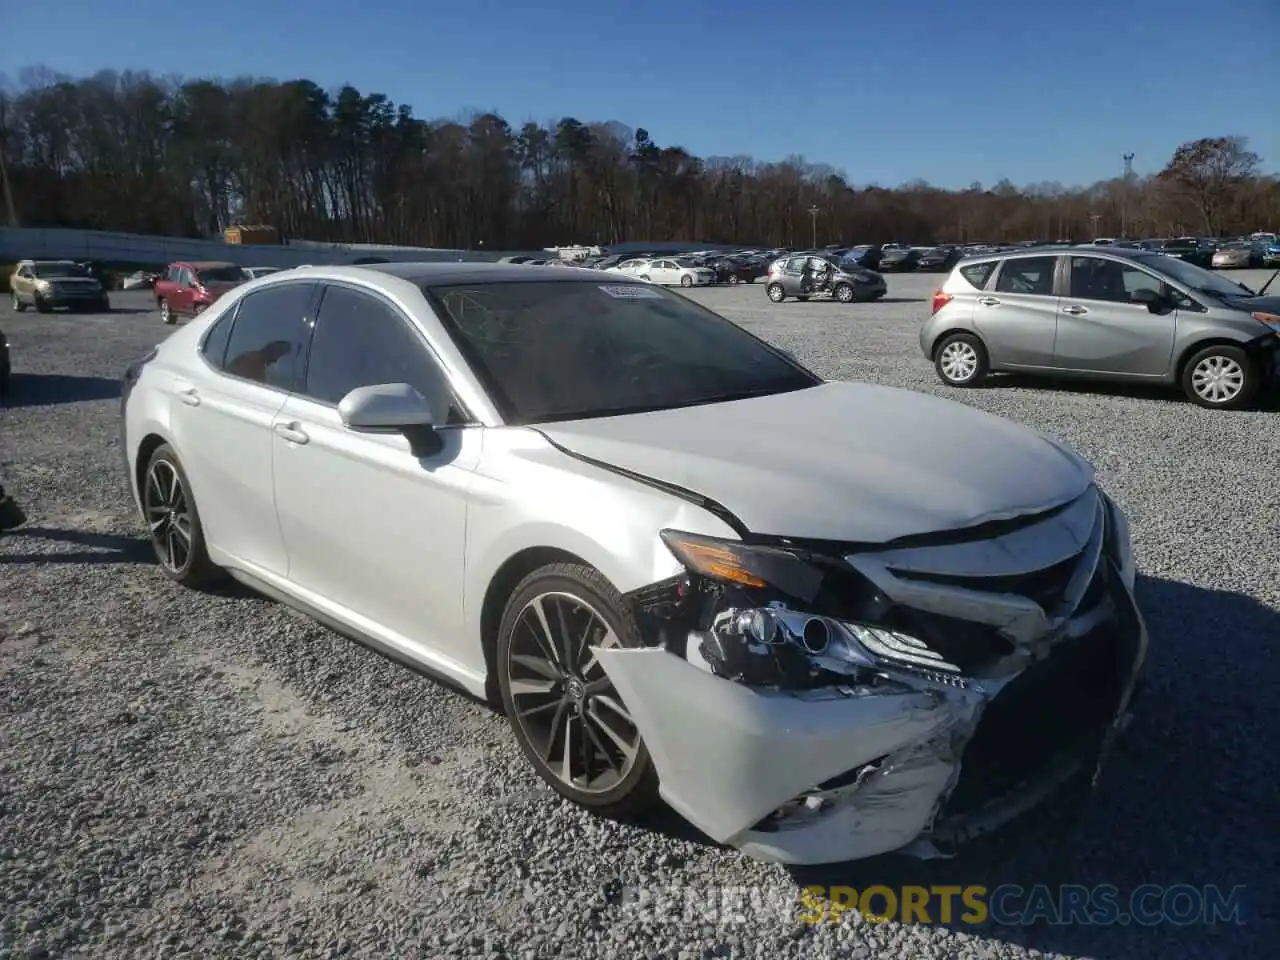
575, 690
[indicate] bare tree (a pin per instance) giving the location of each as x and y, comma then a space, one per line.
135, 152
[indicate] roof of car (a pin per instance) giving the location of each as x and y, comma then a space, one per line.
207, 264
444, 273
1122, 252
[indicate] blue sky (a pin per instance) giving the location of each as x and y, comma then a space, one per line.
949, 90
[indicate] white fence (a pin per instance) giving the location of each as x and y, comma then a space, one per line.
19, 243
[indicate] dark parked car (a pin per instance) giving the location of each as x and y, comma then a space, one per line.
898, 259
789, 278
1189, 249
940, 259
734, 270
865, 255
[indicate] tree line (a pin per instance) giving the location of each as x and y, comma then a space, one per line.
134, 152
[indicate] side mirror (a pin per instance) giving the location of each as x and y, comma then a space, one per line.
1145, 295
392, 408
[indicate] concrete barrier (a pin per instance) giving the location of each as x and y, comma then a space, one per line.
33, 243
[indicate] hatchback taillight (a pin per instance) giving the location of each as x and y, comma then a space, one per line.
940, 300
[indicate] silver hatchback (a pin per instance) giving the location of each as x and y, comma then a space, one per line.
1105, 314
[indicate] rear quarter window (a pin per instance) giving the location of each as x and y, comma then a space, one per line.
977, 274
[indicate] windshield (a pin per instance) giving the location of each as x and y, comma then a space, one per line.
569, 350
1197, 278
227, 274
47, 271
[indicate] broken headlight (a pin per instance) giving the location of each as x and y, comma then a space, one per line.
768, 624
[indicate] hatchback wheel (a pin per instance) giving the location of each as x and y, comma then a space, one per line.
844, 293
961, 360
173, 522
567, 717
166, 314
776, 293
1221, 377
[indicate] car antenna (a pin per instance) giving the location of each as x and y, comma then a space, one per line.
1268, 283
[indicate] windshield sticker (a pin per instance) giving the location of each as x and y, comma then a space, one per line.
632, 292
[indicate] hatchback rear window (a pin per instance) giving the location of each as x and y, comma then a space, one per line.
977, 274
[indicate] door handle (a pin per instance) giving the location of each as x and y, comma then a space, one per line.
1075, 311
989, 301
291, 431
190, 396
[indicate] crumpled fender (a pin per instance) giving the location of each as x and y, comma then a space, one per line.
728, 755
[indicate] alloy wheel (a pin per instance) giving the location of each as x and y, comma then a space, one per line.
564, 703
168, 514
959, 361
776, 294
1217, 379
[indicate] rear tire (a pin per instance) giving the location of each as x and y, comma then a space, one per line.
961, 360
18, 305
166, 314
559, 696
686, 281
776, 293
1221, 377
42, 306
734, 280
173, 521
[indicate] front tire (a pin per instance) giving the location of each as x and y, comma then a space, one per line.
42, 305
961, 360
686, 281
567, 717
173, 521
844, 293
1221, 377
734, 280
166, 313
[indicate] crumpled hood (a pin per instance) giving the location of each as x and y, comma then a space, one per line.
840, 461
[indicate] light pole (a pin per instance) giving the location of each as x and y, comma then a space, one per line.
1124, 195
1095, 217
813, 218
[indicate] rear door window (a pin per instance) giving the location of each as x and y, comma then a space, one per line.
266, 339
977, 274
1030, 275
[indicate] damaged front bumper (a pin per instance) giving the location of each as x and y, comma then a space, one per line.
797, 732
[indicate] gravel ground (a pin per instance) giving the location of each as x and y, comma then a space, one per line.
214, 776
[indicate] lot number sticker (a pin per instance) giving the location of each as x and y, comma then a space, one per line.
632, 292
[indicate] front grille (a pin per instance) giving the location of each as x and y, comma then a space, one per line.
1062, 703
1046, 587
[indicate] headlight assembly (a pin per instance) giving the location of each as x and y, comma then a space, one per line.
744, 565
759, 635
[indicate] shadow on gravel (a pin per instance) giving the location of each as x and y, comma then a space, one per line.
1268, 400
1186, 799
902, 300
47, 389
102, 547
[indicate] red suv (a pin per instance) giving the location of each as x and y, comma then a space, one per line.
187, 288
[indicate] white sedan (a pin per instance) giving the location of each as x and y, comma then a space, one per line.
821, 620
